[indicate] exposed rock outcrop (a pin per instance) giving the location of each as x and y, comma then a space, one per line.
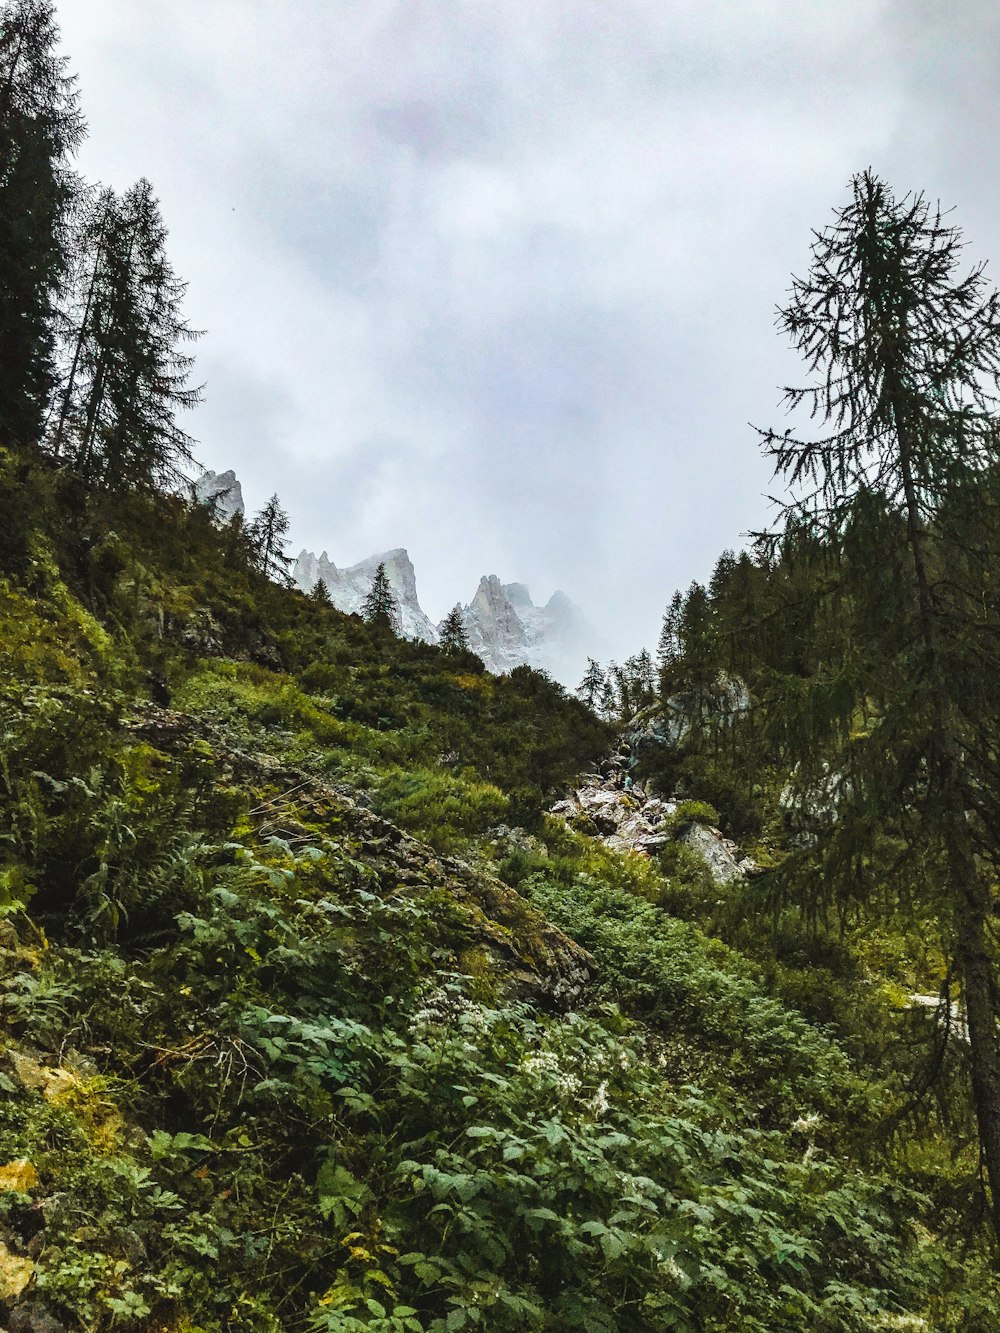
668, 722
222, 491
349, 587
625, 817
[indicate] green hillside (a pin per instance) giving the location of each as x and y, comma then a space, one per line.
295, 1037
314, 1017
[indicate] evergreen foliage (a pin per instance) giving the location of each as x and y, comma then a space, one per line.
297, 1031
453, 634
866, 627
320, 593
592, 686
126, 374
40, 128
901, 493
381, 608
300, 1035
267, 535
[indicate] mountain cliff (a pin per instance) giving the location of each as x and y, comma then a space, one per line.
507, 630
222, 490
504, 626
349, 587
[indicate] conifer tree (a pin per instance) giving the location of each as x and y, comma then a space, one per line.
125, 374
320, 593
621, 692
380, 607
641, 676
453, 635
669, 647
697, 639
40, 127
268, 537
607, 704
238, 545
893, 715
591, 687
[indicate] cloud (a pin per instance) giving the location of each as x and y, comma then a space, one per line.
496, 282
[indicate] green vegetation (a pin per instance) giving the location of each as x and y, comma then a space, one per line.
312, 1019
272, 1065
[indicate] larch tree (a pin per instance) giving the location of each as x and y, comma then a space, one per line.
893, 723
268, 533
592, 686
40, 128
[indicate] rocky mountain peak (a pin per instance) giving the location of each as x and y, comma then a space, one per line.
517, 594
504, 626
221, 490
349, 587
493, 625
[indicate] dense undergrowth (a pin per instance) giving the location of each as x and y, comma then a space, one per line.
269, 1063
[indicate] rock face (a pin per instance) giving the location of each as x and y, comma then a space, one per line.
349, 587
507, 630
223, 491
503, 625
668, 723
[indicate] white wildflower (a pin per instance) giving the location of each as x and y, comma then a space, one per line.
599, 1102
542, 1062
806, 1124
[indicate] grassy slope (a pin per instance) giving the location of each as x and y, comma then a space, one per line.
282, 1048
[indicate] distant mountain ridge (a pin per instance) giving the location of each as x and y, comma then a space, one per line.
503, 625
349, 587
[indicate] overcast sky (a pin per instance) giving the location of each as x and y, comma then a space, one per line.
494, 280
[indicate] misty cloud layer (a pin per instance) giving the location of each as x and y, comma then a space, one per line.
497, 282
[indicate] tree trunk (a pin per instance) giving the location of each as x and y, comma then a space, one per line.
81, 335
976, 965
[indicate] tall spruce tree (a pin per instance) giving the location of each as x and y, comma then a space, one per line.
125, 374
891, 713
380, 607
591, 688
453, 635
40, 127
669, 647
319, 593
642, 677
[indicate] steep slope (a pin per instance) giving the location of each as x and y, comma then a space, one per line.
300, 1027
